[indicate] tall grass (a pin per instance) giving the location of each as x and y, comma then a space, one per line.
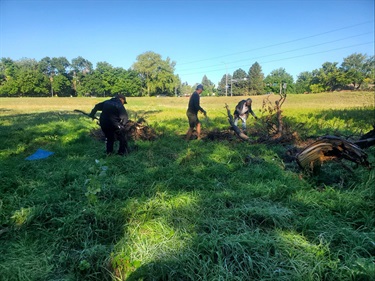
177, 210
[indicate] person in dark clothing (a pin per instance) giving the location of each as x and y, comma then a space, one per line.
192, 112
242, 111
112, 121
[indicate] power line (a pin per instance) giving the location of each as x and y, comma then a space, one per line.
279, 44
279, 53
305, 55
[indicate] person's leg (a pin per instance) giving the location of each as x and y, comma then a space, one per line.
192, 124
236, 121
243, 123
123, 146
198, 130
110, 140
189, 133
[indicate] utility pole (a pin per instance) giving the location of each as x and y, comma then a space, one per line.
51, 80
226, 79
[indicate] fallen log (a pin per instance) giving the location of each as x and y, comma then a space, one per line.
237, 130
367, 139
330, 148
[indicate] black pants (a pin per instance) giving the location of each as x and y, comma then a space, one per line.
115, 134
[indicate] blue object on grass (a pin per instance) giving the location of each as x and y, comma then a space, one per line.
39, 154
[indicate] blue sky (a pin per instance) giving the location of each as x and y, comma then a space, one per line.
203, 37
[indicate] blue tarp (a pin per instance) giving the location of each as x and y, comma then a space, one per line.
39, 154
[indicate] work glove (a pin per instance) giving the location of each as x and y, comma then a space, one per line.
92, 116
121, 128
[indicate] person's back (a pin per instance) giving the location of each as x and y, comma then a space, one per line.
194, 105
192, 112
113, 113
112, 121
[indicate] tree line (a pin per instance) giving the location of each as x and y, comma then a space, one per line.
150, 75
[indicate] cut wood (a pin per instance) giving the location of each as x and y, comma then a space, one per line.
329, 148
237, 130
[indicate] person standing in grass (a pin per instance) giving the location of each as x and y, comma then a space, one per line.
112, 121
242, 111
192, 112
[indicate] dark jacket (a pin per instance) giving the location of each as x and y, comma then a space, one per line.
113, 113
239, 110
194, 104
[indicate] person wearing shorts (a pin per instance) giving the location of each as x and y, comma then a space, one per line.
192, 113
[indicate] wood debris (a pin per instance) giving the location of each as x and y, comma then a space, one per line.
330, 148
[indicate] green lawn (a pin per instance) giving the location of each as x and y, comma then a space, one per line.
177, 210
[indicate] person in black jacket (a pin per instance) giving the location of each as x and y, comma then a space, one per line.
112, 121
192, 113
242, 111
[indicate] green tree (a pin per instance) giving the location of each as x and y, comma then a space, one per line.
80, 68
331, 77
370, 71
27, 64
239, 83
223, 88
8, 69
29, 80
62, 86
156, 74
356, 69
127, 82
108, 76
60, 65
45, 66
8, 78
9, 87
256, 77
186, 89
32, 83
81, 65
51, 67
304, 80
208, 86
277, 79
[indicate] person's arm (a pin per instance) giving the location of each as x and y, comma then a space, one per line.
197, 106
237, 110
98, 107
252, 112
123, 115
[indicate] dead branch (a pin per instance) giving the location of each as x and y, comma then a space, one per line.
330, 148
234, 127
367, 139
276, 127
139, 131
133, 130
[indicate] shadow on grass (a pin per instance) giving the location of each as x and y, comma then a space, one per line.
173, 210
346, 122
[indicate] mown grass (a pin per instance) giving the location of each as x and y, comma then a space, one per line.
177, 210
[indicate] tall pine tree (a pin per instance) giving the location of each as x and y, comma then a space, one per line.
256, 78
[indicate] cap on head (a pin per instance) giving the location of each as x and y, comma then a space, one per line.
121, 96
200, 87
249, 100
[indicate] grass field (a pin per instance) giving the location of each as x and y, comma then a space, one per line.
177, 210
